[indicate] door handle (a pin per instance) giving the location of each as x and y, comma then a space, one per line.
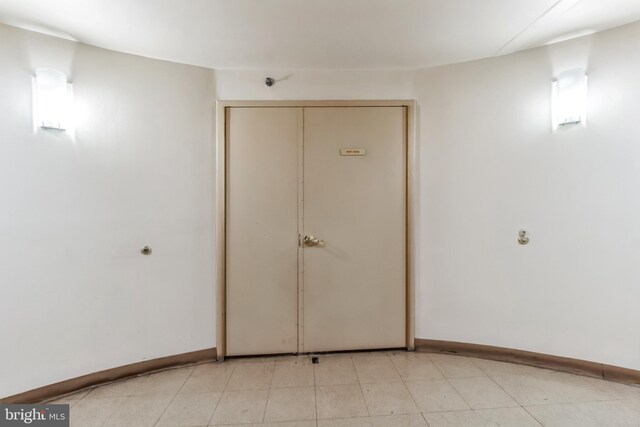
310, 240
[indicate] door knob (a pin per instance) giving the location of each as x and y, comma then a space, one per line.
310, 240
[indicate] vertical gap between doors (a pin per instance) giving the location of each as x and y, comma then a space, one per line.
300, 344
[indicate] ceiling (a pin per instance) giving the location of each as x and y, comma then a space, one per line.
318, 33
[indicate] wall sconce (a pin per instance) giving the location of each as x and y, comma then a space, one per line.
52, 99
570, 98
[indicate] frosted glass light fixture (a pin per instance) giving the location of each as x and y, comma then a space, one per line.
52, 99
570, 98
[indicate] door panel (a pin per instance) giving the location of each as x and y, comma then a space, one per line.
354, 285
262, 230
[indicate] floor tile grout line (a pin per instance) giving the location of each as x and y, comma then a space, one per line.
415, 402
458, 393
288, 387
129, 396
524, 407
134, 377
532, 416
315, 389
560, 400
115, 410
493, 379
424, 418
315, 393
566, 397
174, 396
457, 356
581, 411
345, 418
233, 369
481, 368
450, 384
266, 402
214, 408
514, 399
315, 401
360, 384
90, 389
508, 394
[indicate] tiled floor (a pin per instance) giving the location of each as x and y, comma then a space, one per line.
359, 389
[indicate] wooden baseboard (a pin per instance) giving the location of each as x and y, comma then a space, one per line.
101, 377
558, 363
564, 364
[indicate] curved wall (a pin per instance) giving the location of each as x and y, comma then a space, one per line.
76, 294
490, 165
80, 297
77, 297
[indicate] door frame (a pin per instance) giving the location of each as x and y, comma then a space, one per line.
220, 198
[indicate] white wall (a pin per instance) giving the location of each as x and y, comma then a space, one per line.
76, 294
138, 171
77, 297
315, 84
490, 165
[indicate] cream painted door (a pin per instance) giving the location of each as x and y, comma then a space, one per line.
262, 230
354, 285
286, 178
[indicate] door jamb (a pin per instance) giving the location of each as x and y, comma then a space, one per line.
221, 201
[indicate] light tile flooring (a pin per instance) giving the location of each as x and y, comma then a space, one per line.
380, 389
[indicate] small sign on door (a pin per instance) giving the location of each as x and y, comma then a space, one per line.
353, 152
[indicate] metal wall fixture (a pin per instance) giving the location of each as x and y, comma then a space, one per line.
146, 250
523, 239
269, 81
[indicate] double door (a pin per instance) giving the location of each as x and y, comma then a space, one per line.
315, 229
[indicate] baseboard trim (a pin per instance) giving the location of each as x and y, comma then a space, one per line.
502, 354
540, 360
75, 384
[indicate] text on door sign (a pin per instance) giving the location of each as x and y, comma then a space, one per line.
353, 152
